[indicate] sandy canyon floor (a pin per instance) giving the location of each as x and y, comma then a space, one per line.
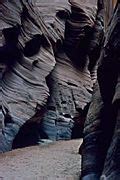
54, 161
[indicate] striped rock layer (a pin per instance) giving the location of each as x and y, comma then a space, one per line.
54, 84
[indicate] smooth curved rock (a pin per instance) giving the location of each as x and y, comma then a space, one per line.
101, 147
24, 88
50, 80
70, 87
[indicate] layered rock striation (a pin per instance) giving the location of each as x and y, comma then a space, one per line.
49, 85
24, 88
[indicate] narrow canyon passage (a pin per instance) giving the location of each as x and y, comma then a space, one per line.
59, 81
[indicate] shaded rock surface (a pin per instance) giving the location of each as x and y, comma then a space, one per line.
24, 88
70, 83
70, 92
57, 161
101, 133
51, 80
78, 29
54, 13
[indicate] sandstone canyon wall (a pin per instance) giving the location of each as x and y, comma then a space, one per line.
46, 90
49, 54
100, 153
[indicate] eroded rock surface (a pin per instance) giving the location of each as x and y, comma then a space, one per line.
71, 82
101, 134
24, 88
51, 80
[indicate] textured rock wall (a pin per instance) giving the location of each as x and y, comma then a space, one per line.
101, 133
24, 88
70, 83
51, 80
109, 7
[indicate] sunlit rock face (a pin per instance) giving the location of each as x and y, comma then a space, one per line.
51, 79
109, 8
